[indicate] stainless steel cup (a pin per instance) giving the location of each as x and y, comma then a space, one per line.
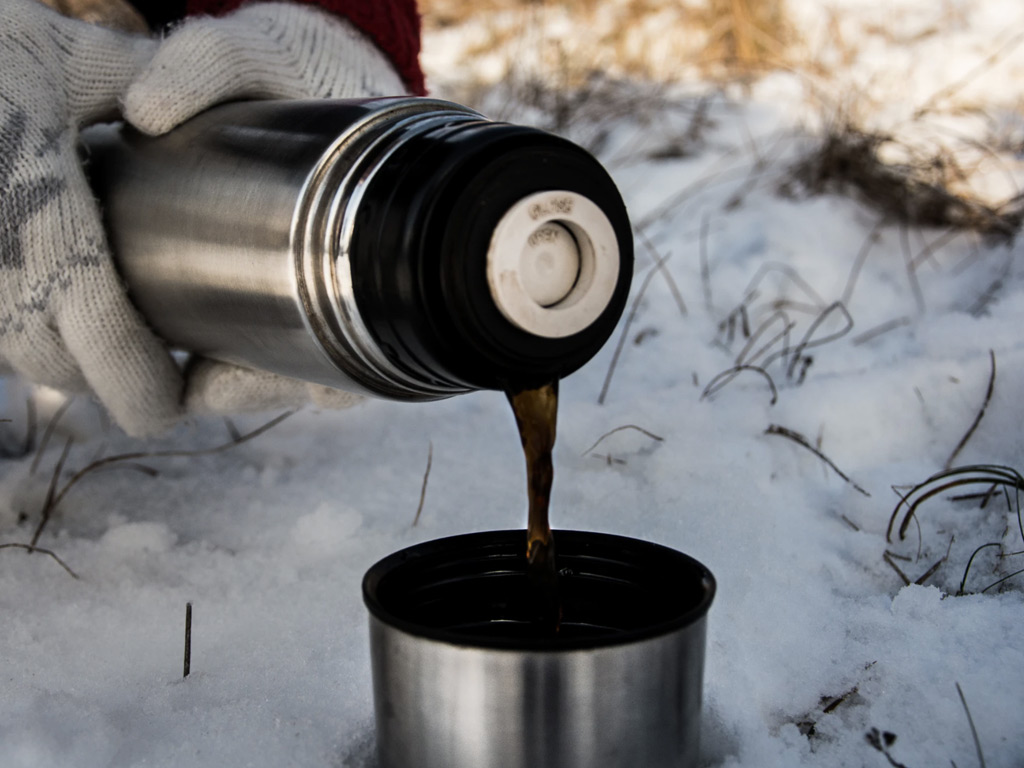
464, 677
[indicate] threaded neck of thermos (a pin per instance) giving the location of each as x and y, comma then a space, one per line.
487, 255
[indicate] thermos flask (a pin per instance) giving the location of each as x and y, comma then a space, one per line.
404, 248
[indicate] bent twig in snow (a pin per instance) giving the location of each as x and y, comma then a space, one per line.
728, 375
30, 549
981, 413
641, 430
970, 561
633, 310
53, 499
796, 437
978, 474
51, 426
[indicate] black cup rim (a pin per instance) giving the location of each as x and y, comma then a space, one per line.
591, 546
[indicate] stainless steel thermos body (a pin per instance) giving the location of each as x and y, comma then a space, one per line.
403, 248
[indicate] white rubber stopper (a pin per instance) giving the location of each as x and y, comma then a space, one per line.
553, 263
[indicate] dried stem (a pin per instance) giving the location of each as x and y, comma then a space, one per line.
892, 564
633, 310
426, 477
970, 561
970, 721
878, 330
705, 267
48, 503
987, 474
858, 263
51, 425
746, 357
981, 412
775, 429
989, 61
670, 281
722, 379
1000, 581
915, 284
611, 432
188, 640
30, 549
809, 341
938, 563
54, 500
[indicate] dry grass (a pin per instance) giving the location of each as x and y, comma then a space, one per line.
745, 34
575, 66
652, 39
923, 191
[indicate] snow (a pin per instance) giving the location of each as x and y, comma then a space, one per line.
269, 540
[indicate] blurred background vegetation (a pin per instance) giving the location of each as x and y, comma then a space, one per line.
887, 114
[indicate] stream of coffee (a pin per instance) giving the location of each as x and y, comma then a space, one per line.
536, 412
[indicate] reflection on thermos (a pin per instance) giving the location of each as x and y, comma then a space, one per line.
402, 248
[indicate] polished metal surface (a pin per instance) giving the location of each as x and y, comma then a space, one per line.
442, 705
231, 232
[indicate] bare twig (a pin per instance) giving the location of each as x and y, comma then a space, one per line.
188, 640
705, 267
987, 474
1000, 581
30, 549
712, 178
670, 281
31, 425
809, 341
609, 433
794, 277
726, 376
926, 253
746, 357
426, 477
892, 563
232, 429
53, 501
48, 503
858, 263
938, 563
878, 330
970, 561
970, 721
989, 61
981, 412
51, 425
775, 429
908, 259
625, 326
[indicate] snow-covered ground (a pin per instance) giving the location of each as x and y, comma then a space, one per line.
815, 641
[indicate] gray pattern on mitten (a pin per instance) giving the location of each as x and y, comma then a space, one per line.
65, 320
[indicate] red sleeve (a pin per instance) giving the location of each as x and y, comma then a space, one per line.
394, 25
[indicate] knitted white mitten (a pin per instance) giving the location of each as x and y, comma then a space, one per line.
214, 387
64, 318
264, 50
